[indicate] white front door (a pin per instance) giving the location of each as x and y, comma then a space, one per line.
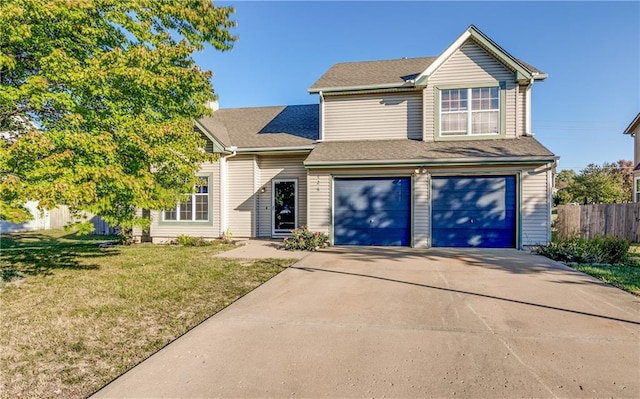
284, 205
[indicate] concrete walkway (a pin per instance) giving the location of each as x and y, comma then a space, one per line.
405, 323
261, 249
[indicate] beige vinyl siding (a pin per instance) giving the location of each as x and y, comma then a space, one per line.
319, 200
421, 213
242, 181
373, 116
470, 64
279, 167
165, 231
536, 206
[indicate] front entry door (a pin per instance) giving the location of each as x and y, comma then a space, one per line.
284, 206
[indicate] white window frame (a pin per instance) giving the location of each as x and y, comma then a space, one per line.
636, 189
469, 112
192, 199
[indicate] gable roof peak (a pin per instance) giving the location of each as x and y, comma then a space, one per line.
524, 72
412, 73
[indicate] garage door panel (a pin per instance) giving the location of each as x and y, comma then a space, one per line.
489, 238
479, 218
380, 219
379, 237
473, 211
372, 211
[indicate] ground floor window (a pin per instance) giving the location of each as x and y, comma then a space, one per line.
636, 191
194, 208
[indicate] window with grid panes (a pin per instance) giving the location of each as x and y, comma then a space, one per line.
194, 208
472, 111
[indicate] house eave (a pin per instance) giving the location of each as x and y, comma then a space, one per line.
327, 90
476, 161
633, 125
216, 143
275, 150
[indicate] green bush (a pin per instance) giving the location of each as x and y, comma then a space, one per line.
303, 239
609, 250
189, 241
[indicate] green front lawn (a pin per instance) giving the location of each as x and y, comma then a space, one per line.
75, 315
624, 277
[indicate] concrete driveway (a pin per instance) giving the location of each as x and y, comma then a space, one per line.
382, 322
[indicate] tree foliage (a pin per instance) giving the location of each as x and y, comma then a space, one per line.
608, 183
97, 102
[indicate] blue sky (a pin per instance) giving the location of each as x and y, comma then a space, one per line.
590, 50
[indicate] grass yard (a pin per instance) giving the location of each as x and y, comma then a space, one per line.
74, 315
625, 277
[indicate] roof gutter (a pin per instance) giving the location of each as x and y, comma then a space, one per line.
430, 162
326, 90
292, 149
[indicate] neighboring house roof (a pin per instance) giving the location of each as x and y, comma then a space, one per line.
408, 151
633, 126
411, 72
264, 127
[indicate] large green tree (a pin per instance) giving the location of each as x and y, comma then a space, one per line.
97, 102
599, 184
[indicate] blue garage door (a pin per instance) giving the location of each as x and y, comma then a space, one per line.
473, 211
374, 211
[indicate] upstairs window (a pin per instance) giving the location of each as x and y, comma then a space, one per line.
194, 208
472, 111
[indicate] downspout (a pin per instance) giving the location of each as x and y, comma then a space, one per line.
321, 138
527, 115
224, 188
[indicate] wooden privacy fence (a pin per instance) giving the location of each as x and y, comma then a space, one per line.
60, 217
588, 221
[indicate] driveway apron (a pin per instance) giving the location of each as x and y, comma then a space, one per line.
401, 322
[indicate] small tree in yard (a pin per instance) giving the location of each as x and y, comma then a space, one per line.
97, 102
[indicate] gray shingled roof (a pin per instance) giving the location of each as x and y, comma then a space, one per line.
380, 73
419, 151
281, 126
368, 73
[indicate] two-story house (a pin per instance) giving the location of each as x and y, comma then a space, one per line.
434, 151
634, 130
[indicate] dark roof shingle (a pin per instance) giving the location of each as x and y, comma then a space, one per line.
368, 73
412, 150
281, 126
